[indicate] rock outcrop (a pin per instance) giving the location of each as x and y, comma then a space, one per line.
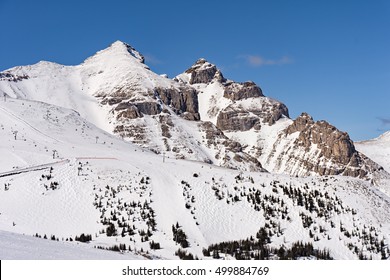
231, 119
333, 143
230, 152
203, 72
183, 101
128, 111
239, 91
331, 151
137, 110
238, 117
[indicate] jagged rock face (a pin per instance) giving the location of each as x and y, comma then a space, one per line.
236, 120
202, 72
137, 110
129, 111
238, 91
136, 132
237, 117
135, 53
181, 101
274, 113
148, 108
323, 149
300, 123
333, 143
231, 106
232, 155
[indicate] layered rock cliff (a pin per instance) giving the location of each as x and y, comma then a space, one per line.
319, 148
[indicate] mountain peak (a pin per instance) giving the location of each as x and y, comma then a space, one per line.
202, 61
119, 50
203, 72
201, 64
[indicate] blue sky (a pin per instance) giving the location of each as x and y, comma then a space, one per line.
328, 58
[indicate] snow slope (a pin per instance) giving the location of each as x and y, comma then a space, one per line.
95, 183
378, 149
22, 247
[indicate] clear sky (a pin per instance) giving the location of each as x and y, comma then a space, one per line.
328, 58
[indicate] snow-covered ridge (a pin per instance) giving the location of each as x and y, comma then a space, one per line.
119, 50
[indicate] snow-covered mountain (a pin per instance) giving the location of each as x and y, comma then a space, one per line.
200, 115
67, 176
